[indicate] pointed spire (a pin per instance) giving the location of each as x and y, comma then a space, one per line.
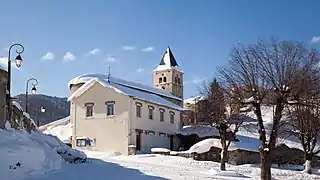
168, 59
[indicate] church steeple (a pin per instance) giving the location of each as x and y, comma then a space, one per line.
168, 59
168, 75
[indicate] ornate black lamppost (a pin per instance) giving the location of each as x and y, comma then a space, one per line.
18, 61
33, 90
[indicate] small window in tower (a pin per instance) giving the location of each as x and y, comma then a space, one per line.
175, 79
160, 79
164, 88
178, 80
162, 74
164, 79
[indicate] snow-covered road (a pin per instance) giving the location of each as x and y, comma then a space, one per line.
146, 167
142, 167
99, 169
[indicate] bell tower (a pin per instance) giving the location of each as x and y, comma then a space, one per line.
168, 76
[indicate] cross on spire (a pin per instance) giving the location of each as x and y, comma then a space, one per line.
109, 72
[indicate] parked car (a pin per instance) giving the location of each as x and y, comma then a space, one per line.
71, 155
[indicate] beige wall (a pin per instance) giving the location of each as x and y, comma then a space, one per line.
116, 133
111, 133
144, 123
3, 90
170, 85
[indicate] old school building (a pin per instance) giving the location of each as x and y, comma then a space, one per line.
110, 114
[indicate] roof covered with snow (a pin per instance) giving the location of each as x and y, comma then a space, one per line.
201, 131
244, 143
2, 67
113, 84
17, 105
103, 77
192, 100
59, 122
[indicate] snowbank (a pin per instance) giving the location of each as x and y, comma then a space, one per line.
163, 150
24, 154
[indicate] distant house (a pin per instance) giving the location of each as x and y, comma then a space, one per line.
110, 114
244, 150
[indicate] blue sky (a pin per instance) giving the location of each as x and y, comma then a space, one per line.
131, 36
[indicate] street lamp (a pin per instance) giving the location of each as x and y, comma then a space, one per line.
33, 90
42, 110
18, 61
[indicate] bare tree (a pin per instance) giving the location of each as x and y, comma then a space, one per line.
304, 114
212, 109
266, 67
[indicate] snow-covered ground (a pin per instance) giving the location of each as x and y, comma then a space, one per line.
22, 153
146, 167
115, 166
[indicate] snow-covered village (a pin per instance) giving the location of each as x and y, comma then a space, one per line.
141, 90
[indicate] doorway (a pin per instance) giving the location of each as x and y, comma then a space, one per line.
138, 141
171, 142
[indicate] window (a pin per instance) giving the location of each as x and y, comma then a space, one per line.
89, 109
83, 142
164, 79
163, 87
110, 108
160, 79
178, 80
161, 115
138, 109
172, 117
151, 108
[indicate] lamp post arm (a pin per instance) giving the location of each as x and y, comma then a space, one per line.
27, 88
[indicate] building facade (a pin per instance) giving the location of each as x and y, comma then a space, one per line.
110, 114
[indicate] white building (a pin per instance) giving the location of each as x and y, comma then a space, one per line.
109, 114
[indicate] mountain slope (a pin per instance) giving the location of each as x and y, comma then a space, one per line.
56, 107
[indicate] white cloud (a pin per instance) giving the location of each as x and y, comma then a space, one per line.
128, 48
69, 57
148, 49
315, 39
194, 80
111, 59
94, 52
139, 70
4, 63
48, 56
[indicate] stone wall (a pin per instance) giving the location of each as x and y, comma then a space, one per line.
22, 120
3, 90
239, 157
